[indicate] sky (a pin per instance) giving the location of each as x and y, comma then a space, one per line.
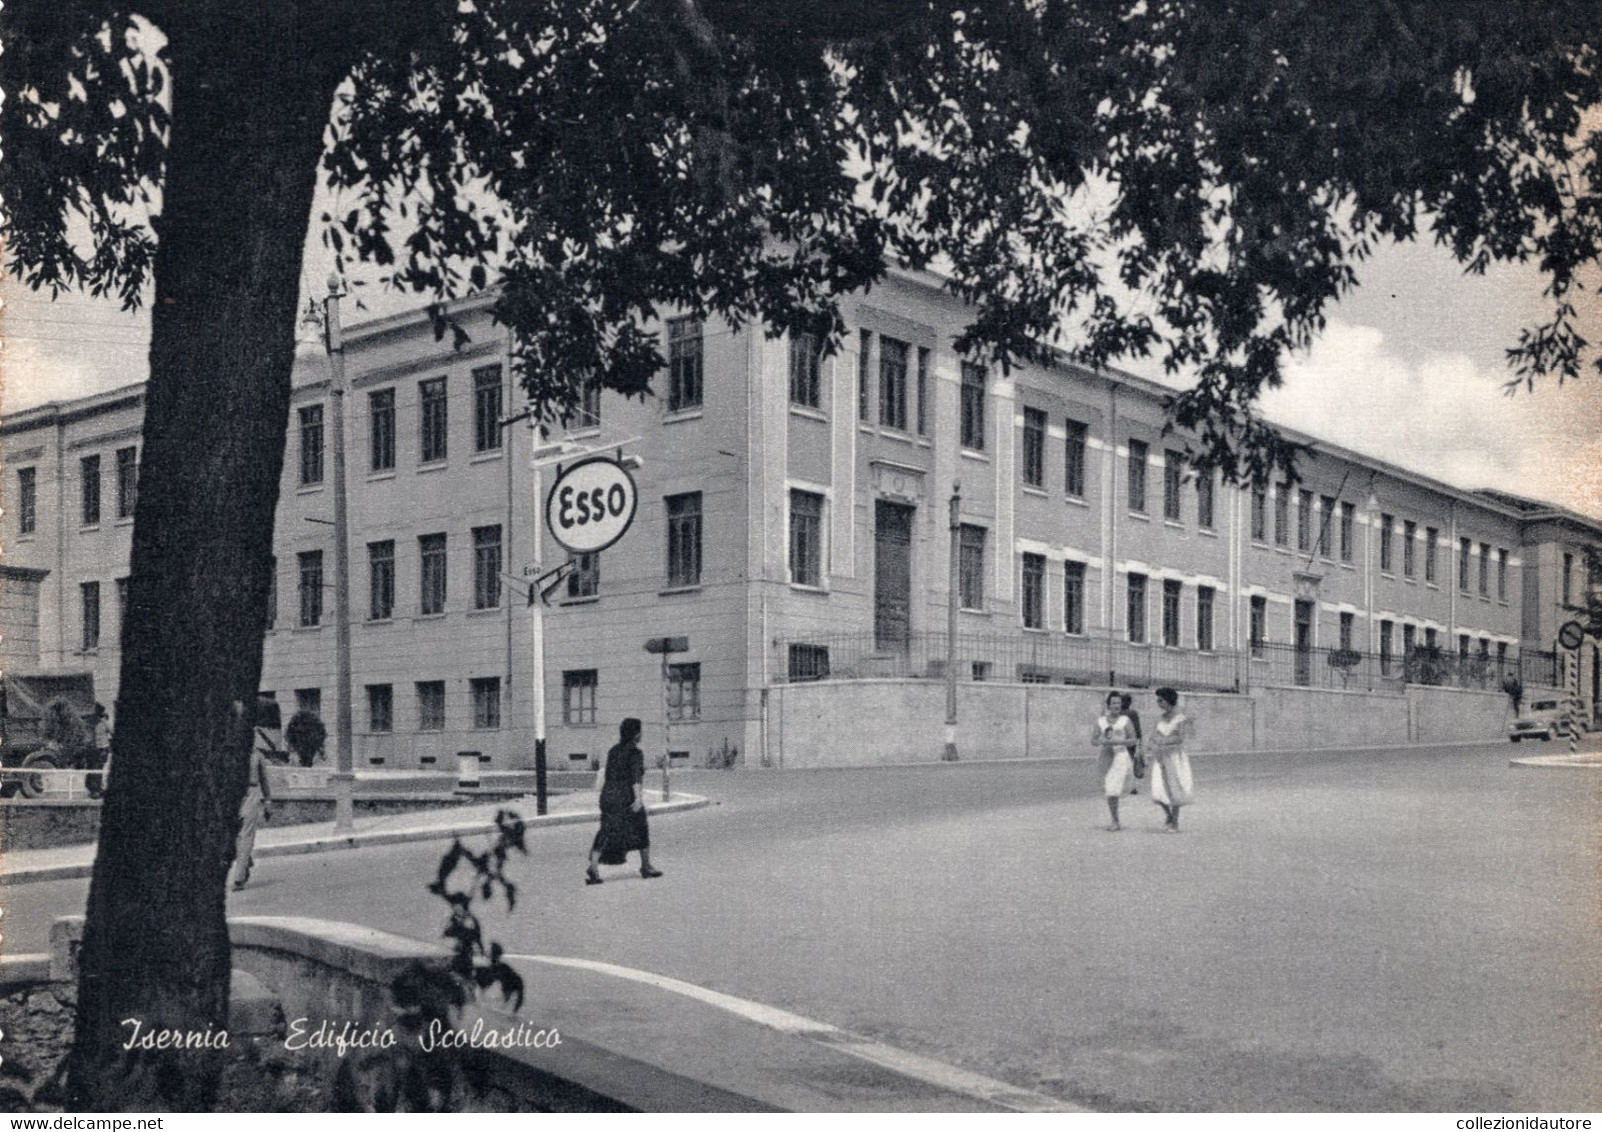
1410, 368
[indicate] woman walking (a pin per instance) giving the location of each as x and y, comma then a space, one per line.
1171, 784
1113, 736
623, 825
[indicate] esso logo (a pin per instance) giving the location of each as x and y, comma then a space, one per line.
591, 505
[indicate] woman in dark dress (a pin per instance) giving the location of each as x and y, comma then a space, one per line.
623, 825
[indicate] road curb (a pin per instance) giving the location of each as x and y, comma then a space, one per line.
80, 869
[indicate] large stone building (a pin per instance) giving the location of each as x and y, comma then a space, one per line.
794, 524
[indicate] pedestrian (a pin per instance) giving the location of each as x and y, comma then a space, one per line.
1113, 736
1136, 758
306, 735
1171, 783
252, 812
623, 824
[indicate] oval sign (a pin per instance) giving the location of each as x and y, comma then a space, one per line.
591, 505
1572, 635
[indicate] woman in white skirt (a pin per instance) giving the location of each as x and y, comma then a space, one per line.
1114, 738
1171, 783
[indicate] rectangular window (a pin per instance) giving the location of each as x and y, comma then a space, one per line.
684, 364
587, 413
487, 567
1204, 499
311, 588
1304, 520
892, 383
1034, 591
864, 371
1465, 551
1431, 537
1282, 496
1501, 656
1429, 639
431, 705
1501, 575
381, 431
1463, 646
381, 580
1386, 628
1137, 476
90, 593
973, 406
487, 393
1485, 648
684, 539
923, 391
806, 538
89, 489
127, 481
1034, 448
1204, 618
433, 420
1568, 574
1348, 530
1409, 640
1259, 514
1387, 549
486, 691
1257, 633
684, 691
578, 695
1173, 480
1073, 597
1485, 569
1135, 613
380, 707
1348, 622
584, 579
808, 662
1409, 552
1171, 598
431, 576
971, 567
1326, 523
27, 500
272, 594
311, 445
805, 360
122, 604
1074, 459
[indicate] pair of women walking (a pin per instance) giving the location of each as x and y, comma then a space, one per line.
1117, 735
623, 825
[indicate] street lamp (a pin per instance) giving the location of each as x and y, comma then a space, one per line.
343, 779
950, 753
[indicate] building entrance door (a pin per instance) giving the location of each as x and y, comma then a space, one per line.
892, 575
1304, 642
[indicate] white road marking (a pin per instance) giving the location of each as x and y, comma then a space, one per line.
911, 1065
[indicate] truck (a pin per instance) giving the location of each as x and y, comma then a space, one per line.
24, 701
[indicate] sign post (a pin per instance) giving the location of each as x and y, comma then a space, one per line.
666, 647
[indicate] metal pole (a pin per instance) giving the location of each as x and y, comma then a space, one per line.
667, 727
952, 603
343, 780
537, 606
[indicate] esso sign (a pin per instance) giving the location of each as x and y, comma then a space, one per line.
591, 505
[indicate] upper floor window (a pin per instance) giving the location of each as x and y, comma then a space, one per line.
1431, 537
487, 567
806, 538
587, 413
1387, 538
1135, 611
1204, 499
90, 592
27, 500
971, 567
1204, 618
1282, 496
806, 358
684, 364
1137, 476
973, 406
487, 397
1465, 551
892, 383
1568, 574
1259, 514
1257, 631
922, 421
1074, 459
1172, 592
311, 444
1409, 552
89, 486
311, 588
381, 430
1485, 569
381, 580
432, 575
584, 579
127, 481
1173, 480
864, 371
1501, 575
434, 421
1034, 448
684, 539
1348, 530
1304, 520
1073, 597
1034, 591
1326, 524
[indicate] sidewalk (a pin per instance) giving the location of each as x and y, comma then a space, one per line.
27, 866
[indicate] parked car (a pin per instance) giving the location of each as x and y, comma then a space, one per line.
1540, 719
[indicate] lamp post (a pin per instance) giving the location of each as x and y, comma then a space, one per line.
953, 600
343, 779
537, 608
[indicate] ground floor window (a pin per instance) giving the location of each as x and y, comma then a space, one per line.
809, 662
380, 707
431, 705
486, 702
684, 691
578, 695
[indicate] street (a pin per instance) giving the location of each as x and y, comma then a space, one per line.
1367, 931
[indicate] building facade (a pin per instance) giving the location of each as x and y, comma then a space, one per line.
795, 523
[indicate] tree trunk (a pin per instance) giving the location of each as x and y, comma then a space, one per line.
252, 88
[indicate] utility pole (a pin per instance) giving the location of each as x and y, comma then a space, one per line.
343, 779
537, 608
952, 603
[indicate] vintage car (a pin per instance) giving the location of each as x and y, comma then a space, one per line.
25, 702
1540, 719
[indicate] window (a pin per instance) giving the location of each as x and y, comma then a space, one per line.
1304, 520
971, 567
1409, 554
1326, 520
684, 539
90, 593
1485, 648
487, 409
806, 538
1431, 537
1501, 656
578, 695
684, 364
309, 700
433, 421
1348, 623
1462, 647
1034, 448
431, 705
864, 371
380, 707
381, 580
1348, 528
1465, 550
487, 567
1204, 500
1171, 596
584, 579
1568, 574
683, 691
89, 489
923, 391
1429, 638
973, 406
805, 359
486, 692
1386, 629
272, 594
1173, 479
127, 481
1409, 640
587, 413
1137, 476
1074, 459
431, 556
1204, 618
808, 662
1135, 618
892, 383
311, 588
1259, 514
381, 431
1258, 630
1073, 598
1034, 591
311, 445
1387, 550
1485, 569
1282, 515
27, 500
1501, 575
122, 603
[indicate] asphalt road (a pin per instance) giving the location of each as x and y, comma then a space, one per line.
1373, 931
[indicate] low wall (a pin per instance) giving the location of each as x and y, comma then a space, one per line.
1444, 714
